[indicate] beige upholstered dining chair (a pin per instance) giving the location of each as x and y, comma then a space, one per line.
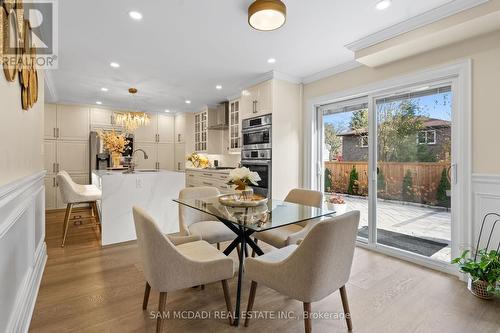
178, 263
311, 271
287, 235
193, 222
72, 194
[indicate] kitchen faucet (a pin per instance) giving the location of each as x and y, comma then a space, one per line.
131, 164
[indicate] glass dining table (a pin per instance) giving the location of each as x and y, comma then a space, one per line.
245, 221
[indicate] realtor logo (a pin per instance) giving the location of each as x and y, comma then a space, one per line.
29, 33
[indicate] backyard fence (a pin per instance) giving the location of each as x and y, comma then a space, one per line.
422, 179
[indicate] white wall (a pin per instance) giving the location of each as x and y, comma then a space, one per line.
22, 212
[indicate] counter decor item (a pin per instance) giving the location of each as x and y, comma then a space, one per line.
115, 144
236, 200
483, 269
242, 178
198, 161
336, 203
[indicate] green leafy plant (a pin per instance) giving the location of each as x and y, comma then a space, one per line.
381, 183
407, 188
353, 182
444, 185
487, 269
328, 180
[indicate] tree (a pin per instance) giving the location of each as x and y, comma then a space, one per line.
333, 140
407, 188
353, 182
399, 124
424, 154
444, 185
381, 183
359, 120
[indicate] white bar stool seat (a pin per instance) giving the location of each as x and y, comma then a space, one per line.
73, 193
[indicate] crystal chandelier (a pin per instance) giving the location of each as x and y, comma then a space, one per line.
131, 120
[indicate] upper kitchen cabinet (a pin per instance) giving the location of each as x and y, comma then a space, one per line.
147, 133
166, 128
201, 131
72, 122
103, 119
257, 100
234, 126
50, 121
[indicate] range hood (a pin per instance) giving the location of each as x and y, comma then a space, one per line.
218, 119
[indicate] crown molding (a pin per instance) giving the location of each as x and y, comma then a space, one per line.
331, 71
415, 22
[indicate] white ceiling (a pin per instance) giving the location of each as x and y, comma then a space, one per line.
183, 48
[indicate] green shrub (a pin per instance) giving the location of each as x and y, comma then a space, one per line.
381, 184
353, 182
444, 184
328, 180
407, 188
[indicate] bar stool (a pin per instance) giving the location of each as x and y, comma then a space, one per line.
72, 194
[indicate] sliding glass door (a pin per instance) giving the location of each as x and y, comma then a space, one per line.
413, 171
390, 156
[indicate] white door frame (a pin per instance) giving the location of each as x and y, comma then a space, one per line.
459, 75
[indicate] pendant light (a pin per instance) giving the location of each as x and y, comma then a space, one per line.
132, 120
267, 15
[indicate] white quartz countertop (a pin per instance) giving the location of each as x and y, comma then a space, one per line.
101, 173
209, 170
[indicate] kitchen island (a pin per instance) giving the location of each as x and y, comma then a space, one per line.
152, 190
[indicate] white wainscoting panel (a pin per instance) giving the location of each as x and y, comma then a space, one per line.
486, 199
23, 252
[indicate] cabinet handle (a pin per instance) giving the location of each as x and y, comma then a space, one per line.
53, 182
58, 132
207, 183
178, 165
111, 120
54, 133
53, 167
178, 138
57, 167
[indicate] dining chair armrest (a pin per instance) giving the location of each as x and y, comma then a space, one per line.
300, 235
178, 240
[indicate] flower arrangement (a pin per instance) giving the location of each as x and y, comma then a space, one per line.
336, 199
113, 142
198, 161
242, 177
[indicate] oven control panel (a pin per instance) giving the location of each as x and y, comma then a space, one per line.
257, 154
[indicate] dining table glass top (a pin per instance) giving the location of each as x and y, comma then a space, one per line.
273, 214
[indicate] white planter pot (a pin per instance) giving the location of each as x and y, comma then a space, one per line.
337, 208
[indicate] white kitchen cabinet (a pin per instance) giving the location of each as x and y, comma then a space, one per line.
150, 149
73, 122
257, 100
73, 156
234, 140
50, 192
201, 177
184, 128
180, 157
50, 121
201, 131
166, 128
165, 156
147, 133
50, 156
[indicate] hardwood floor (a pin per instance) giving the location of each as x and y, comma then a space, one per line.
89, 289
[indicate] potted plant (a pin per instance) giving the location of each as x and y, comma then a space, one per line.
242, 178
115, 144
484, 275
336, 203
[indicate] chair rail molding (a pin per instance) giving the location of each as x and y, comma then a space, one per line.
23, 252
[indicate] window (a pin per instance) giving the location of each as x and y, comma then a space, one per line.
427, 137
363, 141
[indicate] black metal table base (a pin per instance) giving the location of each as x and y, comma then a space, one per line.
242, 238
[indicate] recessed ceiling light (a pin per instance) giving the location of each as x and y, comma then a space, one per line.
104, 89
98, 103
167, 111
135, 15
114, 65
188, 101
383, 4
271, 60
218, 87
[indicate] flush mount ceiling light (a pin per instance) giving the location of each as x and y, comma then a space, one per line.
104, 89
98, 103
167, 111
135, 15
383, 4
218, 87
114, 65
188, 101
267, 15
271, 60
